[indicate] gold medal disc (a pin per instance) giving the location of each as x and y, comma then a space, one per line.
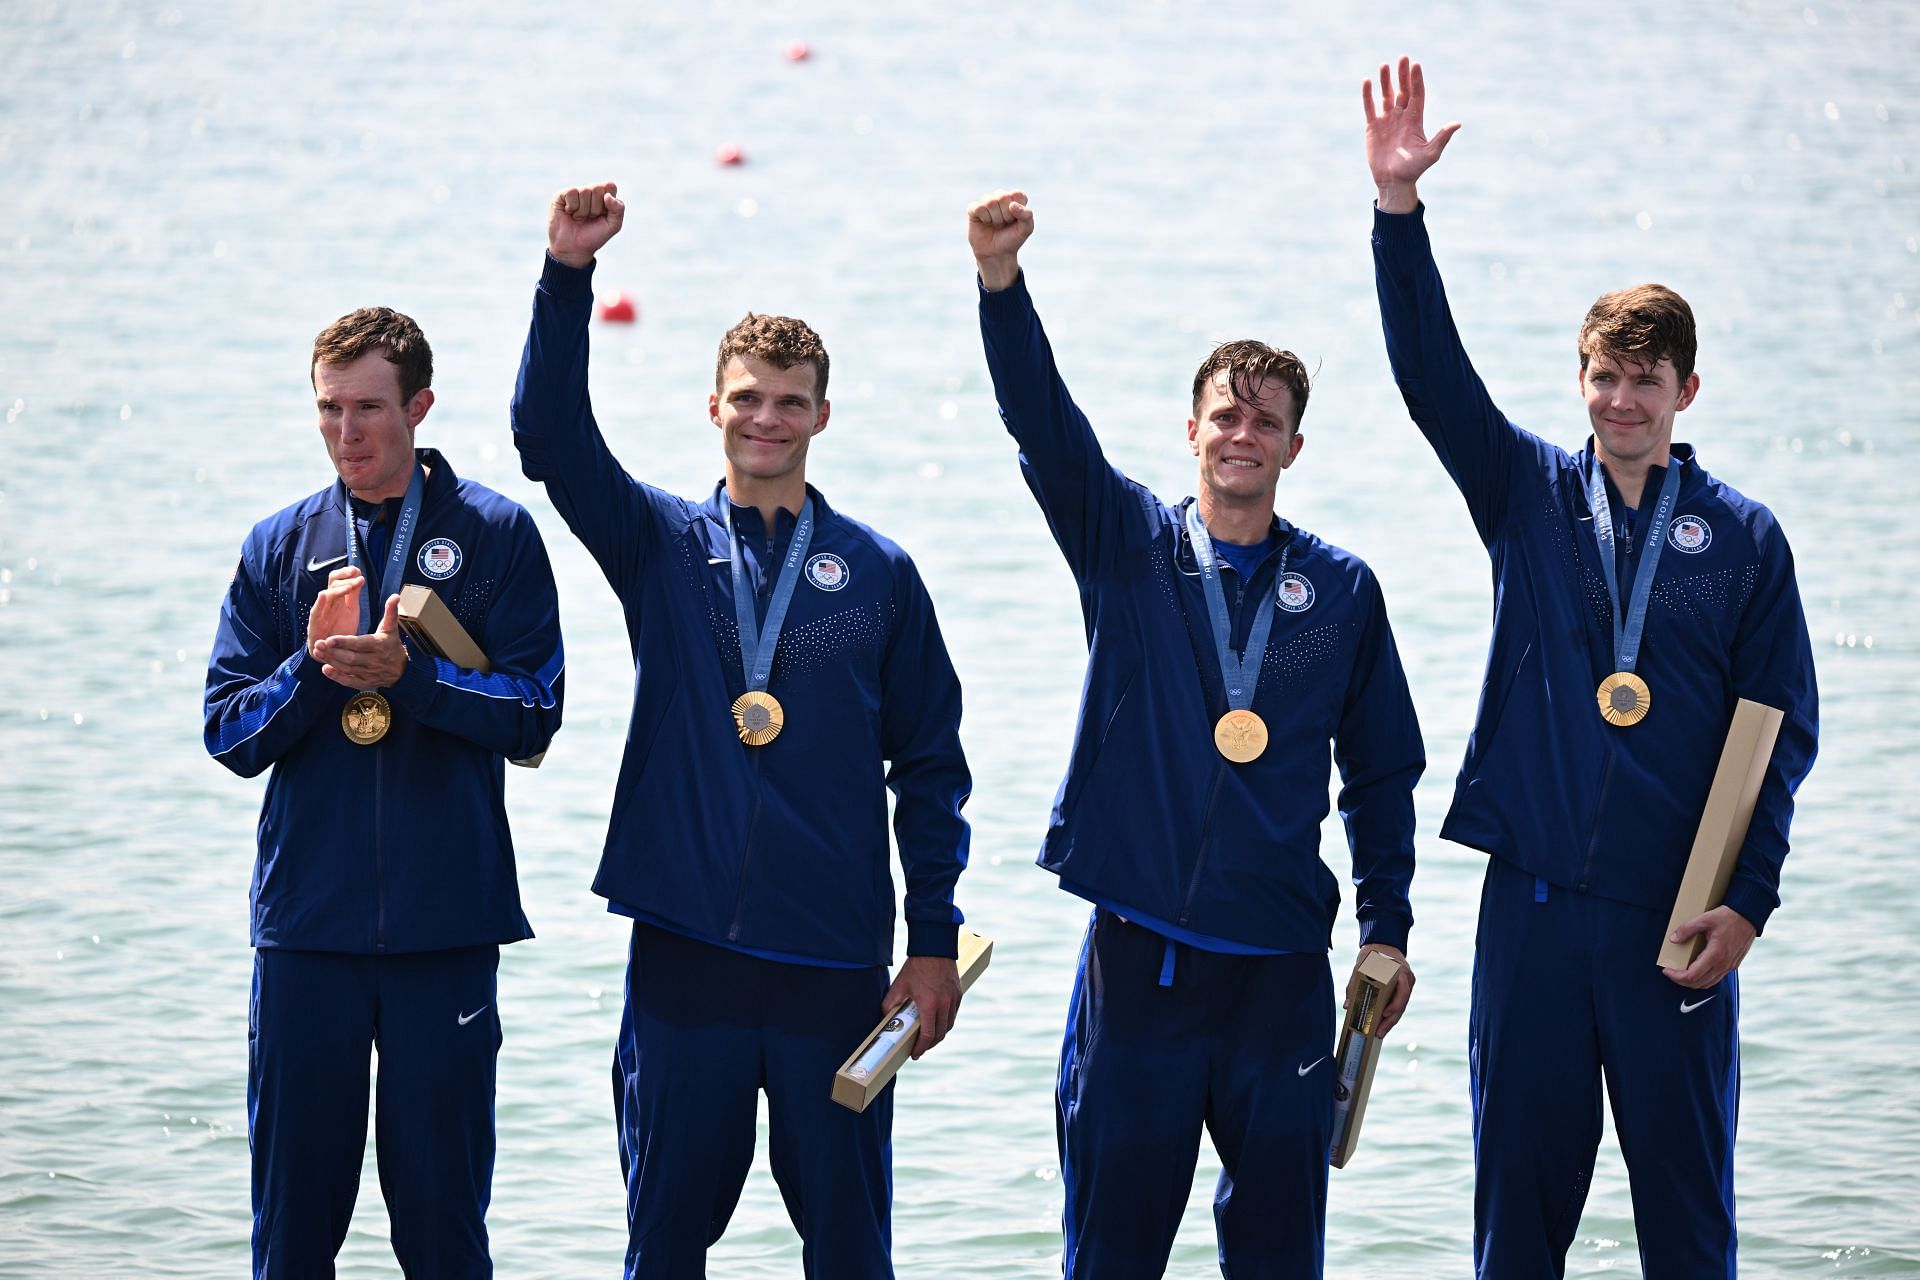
1624, 699
757, 717
366, 718
1240, 736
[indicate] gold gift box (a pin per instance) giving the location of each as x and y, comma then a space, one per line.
871, 1066
431, 626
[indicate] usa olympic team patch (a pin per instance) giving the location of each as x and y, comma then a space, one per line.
1690, 534
440, 559
1295, 594
827, 571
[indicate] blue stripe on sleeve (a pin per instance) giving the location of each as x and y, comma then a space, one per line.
279, 693
537, 691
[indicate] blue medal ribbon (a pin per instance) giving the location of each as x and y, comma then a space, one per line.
757, 643
1627, 630
396, 562
1240, 673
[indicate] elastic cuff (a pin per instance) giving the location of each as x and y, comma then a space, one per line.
570, 283
1386, 930
419, 683
933, 938
304, 667
1401, 233
1752, 901
1013, 294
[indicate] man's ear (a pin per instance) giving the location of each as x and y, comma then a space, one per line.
820, 424
713, 408
418, 406
1293, 450
1193, 436
1688, 390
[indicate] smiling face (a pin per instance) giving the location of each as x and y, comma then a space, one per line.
1631, 407
767, 417
367, 425
1244, 441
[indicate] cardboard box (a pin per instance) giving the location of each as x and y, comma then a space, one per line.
1359, 1052
428, 622
1723, 825
871, 1066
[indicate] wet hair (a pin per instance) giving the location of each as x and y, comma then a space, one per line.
1250, 366
781, 341
1644, 325
384, 330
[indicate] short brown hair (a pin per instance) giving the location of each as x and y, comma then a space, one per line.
781, 341
1250, 365
384, 330
1645, 324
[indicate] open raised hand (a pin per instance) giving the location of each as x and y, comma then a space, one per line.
1398, 148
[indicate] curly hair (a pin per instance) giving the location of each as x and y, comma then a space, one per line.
781, 341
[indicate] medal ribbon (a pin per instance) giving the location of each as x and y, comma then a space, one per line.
1239, 672
396, 564
757, 643
1626, 632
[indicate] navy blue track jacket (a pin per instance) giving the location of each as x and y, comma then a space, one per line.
1150, 816
402, 845
781, 848
1547, 784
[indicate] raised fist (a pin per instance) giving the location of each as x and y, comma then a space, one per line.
582, 219
997, 225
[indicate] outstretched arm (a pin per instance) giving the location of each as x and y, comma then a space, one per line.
1094, 511
553, 424
1398, 148
1444, 396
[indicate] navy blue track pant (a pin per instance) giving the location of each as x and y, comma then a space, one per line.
315, 1018
1239, 1045
1565, 991
705, 1030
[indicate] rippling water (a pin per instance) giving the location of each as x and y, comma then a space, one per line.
189, 191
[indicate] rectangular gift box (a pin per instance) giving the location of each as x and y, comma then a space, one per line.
1359, 1052
1723, 825
428, 622
863, 1075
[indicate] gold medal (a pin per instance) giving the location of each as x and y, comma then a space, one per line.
366, 718
757, 717
1240, 736
1624, 699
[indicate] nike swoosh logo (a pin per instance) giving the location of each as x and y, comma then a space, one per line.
314, 566
1311, 1065
465, 1018
719, 560
1689, 1008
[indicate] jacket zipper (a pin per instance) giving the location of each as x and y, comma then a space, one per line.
1206, 835
753, 818
746, 855
379, 859
1213, 792
1600, 807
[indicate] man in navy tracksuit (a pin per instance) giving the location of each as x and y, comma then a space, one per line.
385, 882
1191, 810
1626, 579
788, 671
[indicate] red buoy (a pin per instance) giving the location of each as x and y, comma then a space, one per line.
730, 155
798, 51
619, 309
